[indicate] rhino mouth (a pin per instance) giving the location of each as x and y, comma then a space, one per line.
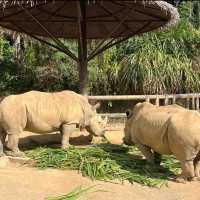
95, 132
127, 142
101, 133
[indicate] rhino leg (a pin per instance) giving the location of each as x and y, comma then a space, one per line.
2, 141
187, 171
66, 132
197, 165
157, 158
3, 137
1, 149
12, 145
146, 151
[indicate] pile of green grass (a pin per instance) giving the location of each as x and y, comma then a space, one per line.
106, 162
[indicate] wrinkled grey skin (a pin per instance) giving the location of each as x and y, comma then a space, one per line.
174, 130
42, 112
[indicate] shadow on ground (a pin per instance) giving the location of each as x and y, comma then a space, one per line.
51, 140
133, 162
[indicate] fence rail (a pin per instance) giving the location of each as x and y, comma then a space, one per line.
143, 97
190, 101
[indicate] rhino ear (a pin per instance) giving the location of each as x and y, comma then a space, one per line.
96, 106
129, 113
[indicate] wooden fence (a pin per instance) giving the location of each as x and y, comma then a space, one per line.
190, 101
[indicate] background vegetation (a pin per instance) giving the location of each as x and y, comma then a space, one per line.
156, 63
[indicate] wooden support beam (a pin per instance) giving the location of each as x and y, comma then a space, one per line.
57, 41
112, 43
42, 40
82, 47
107, 37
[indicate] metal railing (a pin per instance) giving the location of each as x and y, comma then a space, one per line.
190, 101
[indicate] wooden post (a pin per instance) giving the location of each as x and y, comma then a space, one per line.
197, 102
174, 99
157, 101
188, 103
193, 102
166, 100
82, 48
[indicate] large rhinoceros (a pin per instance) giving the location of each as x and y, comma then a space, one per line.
42, 112
166, 130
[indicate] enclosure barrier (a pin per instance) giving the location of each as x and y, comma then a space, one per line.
190, 101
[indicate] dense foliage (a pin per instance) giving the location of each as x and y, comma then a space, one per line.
160, 62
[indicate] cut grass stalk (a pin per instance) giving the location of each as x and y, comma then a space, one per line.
74, 195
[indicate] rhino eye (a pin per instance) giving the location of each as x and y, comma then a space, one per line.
129, 114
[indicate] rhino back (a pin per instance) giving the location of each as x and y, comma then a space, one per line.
46, 112
56, 108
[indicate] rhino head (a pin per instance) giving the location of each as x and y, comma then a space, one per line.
96, 125
131, 114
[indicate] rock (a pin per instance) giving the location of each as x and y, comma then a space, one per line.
4, 161
19, 160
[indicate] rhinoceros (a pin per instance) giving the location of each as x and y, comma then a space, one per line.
166, 130
43, 112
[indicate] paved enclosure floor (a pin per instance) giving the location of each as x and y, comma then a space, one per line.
19, 182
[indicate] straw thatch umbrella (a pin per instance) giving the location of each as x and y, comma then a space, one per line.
111, 21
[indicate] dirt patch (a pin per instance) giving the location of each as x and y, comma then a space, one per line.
23, 183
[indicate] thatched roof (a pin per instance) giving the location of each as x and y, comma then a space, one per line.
104, 18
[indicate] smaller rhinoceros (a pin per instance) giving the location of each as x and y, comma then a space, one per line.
42, 112
166, 130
